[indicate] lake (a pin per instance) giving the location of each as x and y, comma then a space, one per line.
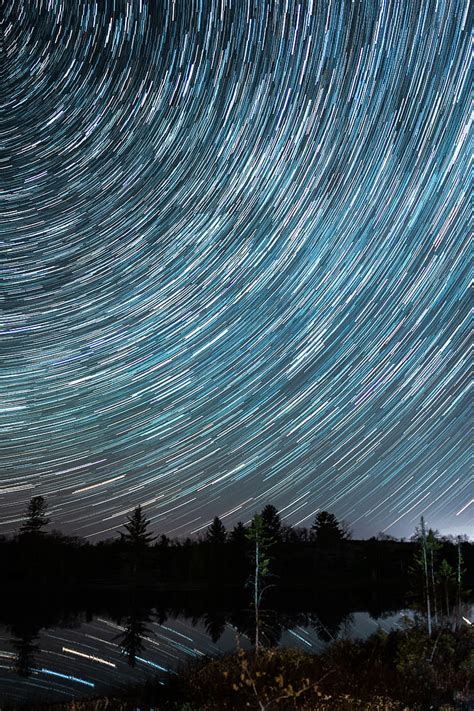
55, 649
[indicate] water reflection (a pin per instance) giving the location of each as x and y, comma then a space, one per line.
25, 650
329, 623
69, 647
215, 622
131, 640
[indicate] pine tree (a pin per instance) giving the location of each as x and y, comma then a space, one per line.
36, 518
136, 529
238, 534
131, 640
216, 533
26, 650
327, 529
272, 522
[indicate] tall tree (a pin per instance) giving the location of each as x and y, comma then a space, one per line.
272, 522
426, 578
260, 541
216, 533
433, 545
136, 529
36, 518
326, 529
459, 574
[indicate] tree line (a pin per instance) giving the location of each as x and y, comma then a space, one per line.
326, 529
264, 556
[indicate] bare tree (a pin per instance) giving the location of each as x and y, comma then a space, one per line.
257, 534
424, 561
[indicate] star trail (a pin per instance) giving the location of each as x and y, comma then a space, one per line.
91, 660
234, 262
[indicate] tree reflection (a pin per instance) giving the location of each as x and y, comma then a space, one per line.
328, 623
131, 640
24, 644
215, 622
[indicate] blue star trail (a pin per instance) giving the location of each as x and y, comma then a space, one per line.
234, 262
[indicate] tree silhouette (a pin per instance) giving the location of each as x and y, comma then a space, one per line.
238, 534
36, 518
216, 533
433, 546
422, 560
136, 530
136, 538
131, 640
25, 622
26, 650
215, 622
327, 529
272, 522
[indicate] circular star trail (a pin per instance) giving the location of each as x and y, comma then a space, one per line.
234, 261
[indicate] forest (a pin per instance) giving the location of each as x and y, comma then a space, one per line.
258, 579
323, 556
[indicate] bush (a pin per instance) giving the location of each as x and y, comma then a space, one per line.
399, 671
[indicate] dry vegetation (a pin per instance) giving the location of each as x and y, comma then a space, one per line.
399, 671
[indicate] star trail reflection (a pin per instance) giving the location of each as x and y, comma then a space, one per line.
233, 261
93, 663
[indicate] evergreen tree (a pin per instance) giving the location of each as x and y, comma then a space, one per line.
26, 650
131, 640
215, 622
136, 529
216, 533
272, 522
327, 529
36, 518
238, 534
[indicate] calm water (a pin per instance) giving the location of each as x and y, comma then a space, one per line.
75, 653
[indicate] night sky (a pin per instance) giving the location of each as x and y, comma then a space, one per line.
234, 262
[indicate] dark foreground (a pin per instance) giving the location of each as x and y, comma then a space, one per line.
403, 670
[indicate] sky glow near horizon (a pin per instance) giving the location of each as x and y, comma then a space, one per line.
234, 262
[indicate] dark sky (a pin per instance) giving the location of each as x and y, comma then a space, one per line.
233, 262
